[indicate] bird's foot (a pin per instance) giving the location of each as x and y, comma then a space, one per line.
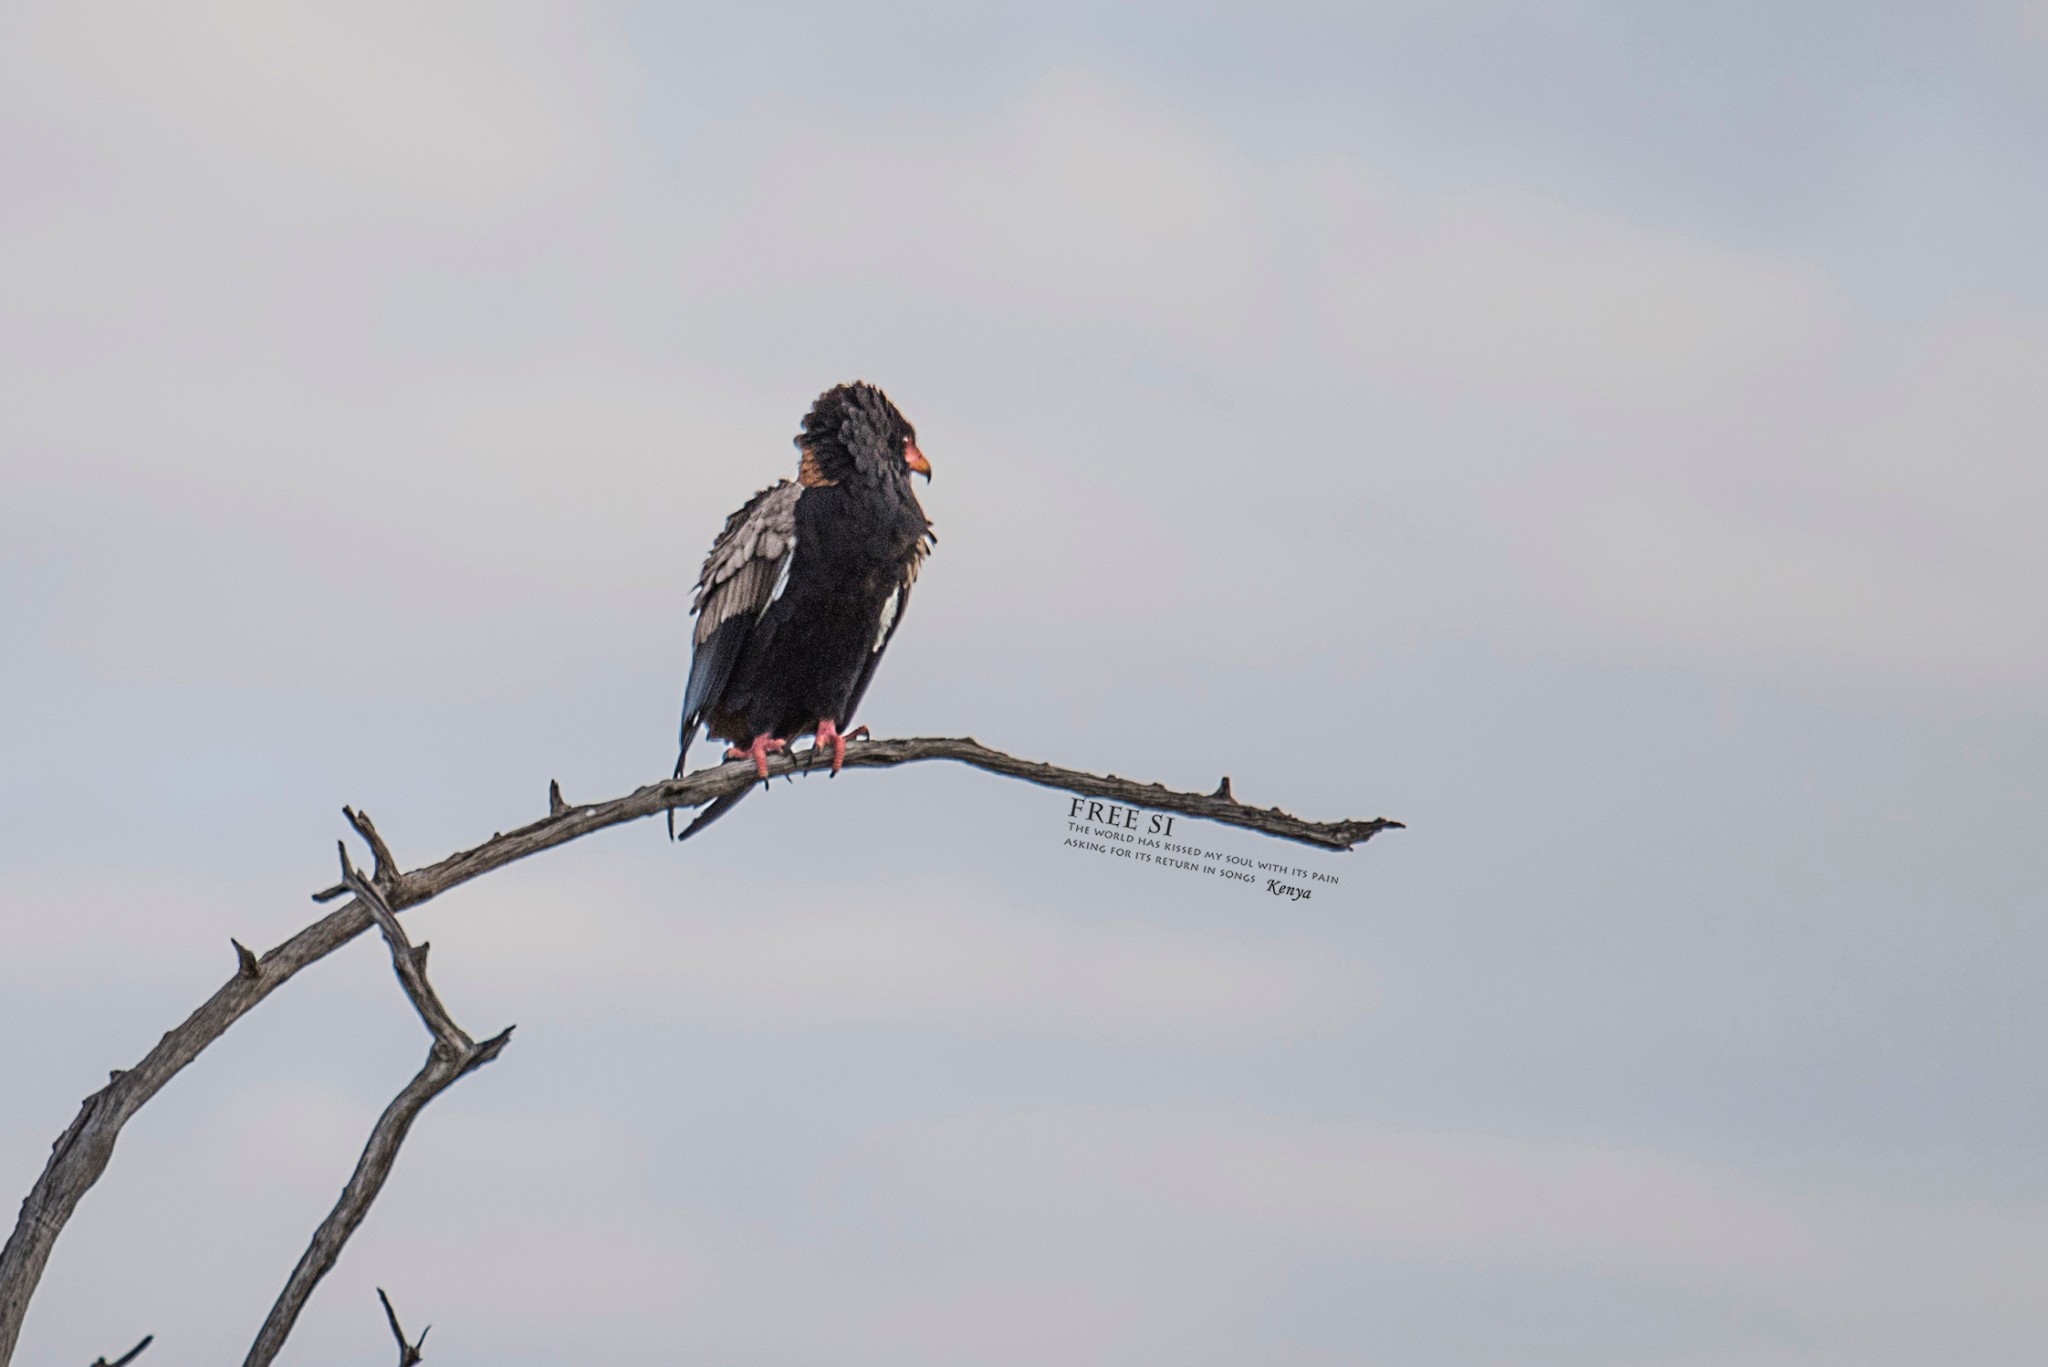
828, 734
758, 751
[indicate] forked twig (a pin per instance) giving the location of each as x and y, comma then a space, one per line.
408, 1353
384, 873
452, 1055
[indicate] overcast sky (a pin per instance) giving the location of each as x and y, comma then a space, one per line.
1611, 438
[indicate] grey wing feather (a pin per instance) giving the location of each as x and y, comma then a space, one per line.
737, 584
745, 559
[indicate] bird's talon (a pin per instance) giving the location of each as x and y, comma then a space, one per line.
758, 752
828, 734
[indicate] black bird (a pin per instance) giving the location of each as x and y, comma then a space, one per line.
806, 586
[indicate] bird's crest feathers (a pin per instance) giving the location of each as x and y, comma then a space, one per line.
853, 431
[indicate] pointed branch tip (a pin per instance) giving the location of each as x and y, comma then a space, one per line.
127, 1357
384, 872
408, 1353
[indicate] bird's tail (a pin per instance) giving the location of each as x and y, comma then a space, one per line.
683, 755
710, 814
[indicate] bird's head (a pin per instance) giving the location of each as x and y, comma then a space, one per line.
854, 432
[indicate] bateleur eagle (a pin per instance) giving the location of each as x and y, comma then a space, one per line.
805, 587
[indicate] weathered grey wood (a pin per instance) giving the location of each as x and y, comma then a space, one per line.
81, 1153
452, 1055
408, 1353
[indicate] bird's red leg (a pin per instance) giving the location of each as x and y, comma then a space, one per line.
758, 751
828, 734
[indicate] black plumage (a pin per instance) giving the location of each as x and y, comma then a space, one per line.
806, 586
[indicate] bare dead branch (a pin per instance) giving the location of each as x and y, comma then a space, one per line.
408, 1353
385, 873
81, 1153
131, 1354
409, 961
452, 1056
1221, 808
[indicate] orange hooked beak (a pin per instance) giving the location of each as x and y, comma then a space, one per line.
914, 458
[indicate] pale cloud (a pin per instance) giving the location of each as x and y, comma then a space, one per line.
2028, 18
1528, 297
1235, 1194
637, 945
1086, 1234
1518, 418
371, 111
262, 519
928, 952
108, 930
